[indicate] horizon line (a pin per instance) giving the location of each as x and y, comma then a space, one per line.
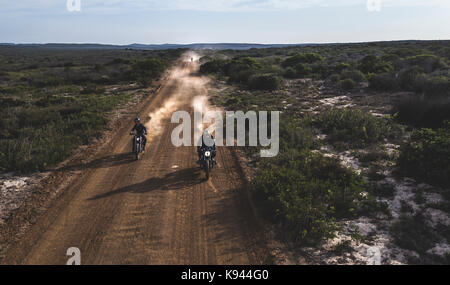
216, 43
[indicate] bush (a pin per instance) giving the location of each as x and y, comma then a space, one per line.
338, 68
354, 127
295, 135
407, 78
306, 193
426, 156
423, 112
413, 233
240, 70
347, 84
334, 77
302, 69
214, 66
148, 70
36, 148
321, 69
302, 58
373, 64
353, 74
290, 73
264, 82
46, 112
383, 82
426, 62
432, 86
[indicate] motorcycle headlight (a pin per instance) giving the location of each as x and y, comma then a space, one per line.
207, 153
138, 139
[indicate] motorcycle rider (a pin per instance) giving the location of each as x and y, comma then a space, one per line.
206, 137
140, 129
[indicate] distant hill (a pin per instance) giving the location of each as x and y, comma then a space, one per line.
196, 46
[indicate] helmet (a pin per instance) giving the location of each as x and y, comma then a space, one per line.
137, 120
206, 133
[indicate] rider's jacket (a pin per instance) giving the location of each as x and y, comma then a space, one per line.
140, 129
203, 144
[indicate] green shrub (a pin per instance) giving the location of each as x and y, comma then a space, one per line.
426, 156
302, 58
148, 70
214, 66
373, 64
423, 112
355, 127
36, 148
321, 69
368, 63
265, 82
295, 134
334, 77
290, 73
383, 82
306, 193
426, 62
302, 69
338, 68
407, 78
240, 70
347, 84
435, 86
353, 74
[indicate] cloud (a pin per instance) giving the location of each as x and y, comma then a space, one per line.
118, 6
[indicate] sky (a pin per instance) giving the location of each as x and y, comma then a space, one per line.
222, 21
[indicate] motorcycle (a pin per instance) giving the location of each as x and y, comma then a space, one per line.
138, 146
206, 161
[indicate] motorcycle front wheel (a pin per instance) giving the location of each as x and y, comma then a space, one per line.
207, 169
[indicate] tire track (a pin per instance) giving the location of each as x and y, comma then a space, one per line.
146, 211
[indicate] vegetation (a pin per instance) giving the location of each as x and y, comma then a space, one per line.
347, 84
264, 82
426, 156
55, 100
420, 67
414, 233
354, 127
290, 189
423, 112
306, 192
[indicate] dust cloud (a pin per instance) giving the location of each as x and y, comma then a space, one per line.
189, 91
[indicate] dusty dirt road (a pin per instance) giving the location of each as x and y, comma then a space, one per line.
158, 210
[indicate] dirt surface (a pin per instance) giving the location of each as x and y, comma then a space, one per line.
158, 210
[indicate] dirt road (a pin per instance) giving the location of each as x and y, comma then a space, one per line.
158, 210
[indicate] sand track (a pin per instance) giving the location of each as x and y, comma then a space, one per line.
158, 210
